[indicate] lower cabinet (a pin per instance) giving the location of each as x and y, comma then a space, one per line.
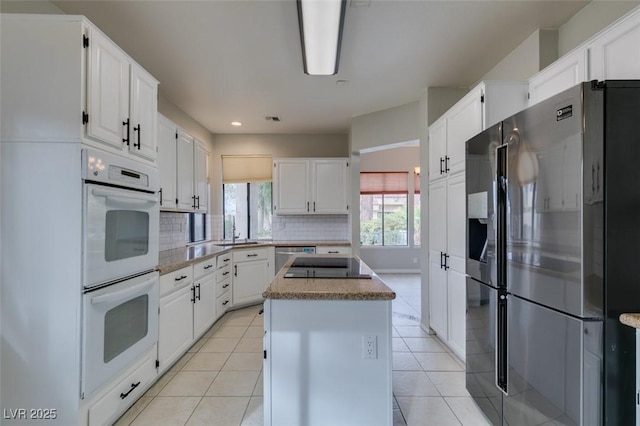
333, 250
204, 307
250, 275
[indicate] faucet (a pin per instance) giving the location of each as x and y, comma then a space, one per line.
233, 231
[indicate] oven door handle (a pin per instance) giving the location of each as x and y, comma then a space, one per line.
137, 196
122, 294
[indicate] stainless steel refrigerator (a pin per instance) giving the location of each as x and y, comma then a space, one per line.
553, 258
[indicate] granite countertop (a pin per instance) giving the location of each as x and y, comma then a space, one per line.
329, 288
632, 320
174, 259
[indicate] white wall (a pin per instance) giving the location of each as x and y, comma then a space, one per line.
390, 126
29, 6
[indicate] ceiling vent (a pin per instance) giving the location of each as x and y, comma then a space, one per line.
272, 118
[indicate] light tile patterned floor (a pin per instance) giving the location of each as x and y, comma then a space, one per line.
219, 381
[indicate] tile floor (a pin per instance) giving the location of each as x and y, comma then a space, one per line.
219, 381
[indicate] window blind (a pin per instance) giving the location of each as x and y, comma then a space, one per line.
246, 168
384, 183
416, 183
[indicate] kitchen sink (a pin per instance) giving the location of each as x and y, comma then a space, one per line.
237, 243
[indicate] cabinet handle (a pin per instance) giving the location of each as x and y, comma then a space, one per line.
441, 261
208, 267
225, 286
225, 273
307, 206
137, 129
446, 164
198, 291
446, 261
133, 386
252, 255
333, 252
225, 302
235, 270
180, 278
198, 200
226, 259
160, 192
193, 197
441, 165
126, 124
193, 294
314, 206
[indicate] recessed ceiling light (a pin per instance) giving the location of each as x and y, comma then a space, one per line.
236, 123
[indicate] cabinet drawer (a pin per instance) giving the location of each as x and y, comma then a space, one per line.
203, 268
333, 250
223, 273
223, 287
223, 303
245, 255
175, 280
125, 392
224, 260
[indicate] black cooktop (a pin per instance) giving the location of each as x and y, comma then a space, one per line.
325, 267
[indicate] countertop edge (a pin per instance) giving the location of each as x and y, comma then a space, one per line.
631, 320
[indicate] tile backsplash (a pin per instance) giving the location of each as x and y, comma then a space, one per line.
310, 228
174, 230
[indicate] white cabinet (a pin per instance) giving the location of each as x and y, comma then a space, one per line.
447, 286
311, 186
223, 284
187, 309
167, 163
563, 74
613, 53
250, 275
484, 105
183, 165
175, 325
333, 250
75, 85
121, 100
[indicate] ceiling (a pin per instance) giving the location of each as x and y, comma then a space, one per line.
221, 61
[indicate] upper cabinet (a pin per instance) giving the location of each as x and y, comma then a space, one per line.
609, 55
75, 85
484, 105
613, 53
311, 186
563, 74
183, 165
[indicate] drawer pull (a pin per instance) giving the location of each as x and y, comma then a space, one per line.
225, 273
252, 255
208, 267
333, 252
225, 302
133, 386
180, 278
226, 259
225, 286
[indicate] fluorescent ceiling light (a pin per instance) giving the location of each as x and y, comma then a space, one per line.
321, 24
236, 123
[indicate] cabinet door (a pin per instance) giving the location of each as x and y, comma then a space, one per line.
200, 176
107, 91
144, 112
185, 171
463, 122
614, 54
167, 165
330, 185
437, 149
291, 187
438, 217
457, 306
563, 74
249, 281
175, 329
204, 309
455, 222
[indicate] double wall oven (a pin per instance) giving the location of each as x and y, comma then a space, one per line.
120, 254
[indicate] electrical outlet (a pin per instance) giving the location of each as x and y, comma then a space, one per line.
369, 347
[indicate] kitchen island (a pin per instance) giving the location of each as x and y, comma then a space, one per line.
328, 356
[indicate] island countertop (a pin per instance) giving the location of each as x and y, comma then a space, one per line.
631, 319
329, 288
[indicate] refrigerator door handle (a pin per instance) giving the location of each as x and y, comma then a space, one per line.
502, 364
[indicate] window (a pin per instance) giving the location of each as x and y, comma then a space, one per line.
247, 206
196, 226
246, 196
383, 208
